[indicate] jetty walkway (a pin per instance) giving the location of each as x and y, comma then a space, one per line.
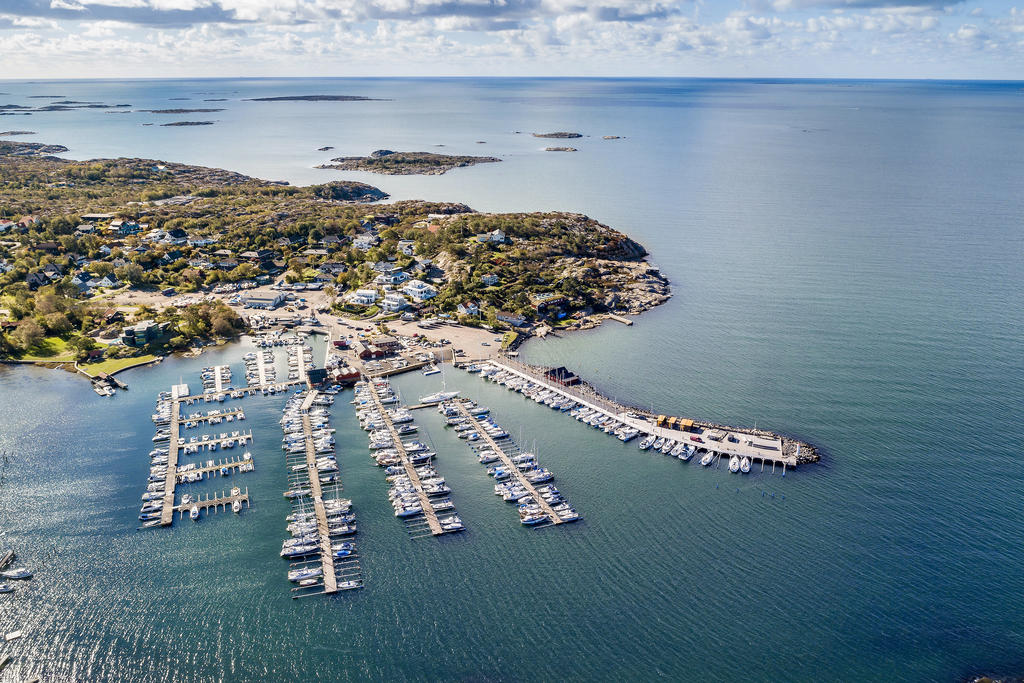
509, 464
428, 509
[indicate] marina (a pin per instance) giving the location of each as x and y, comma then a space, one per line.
418, 494
320, 562
628, 423
521, 480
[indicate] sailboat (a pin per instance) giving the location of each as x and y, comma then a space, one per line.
438, 397
734, 464
745, 465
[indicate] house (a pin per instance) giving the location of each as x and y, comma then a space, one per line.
107, 281
315, 252
563, 376
383, 267
267, 301
128, 227
111, 316
362, 297
85, 229
407, 247
420, 290
227, 264
53, 271
141, 333
289, 241
48, 247
396, 277
365, 242
170, 257
177, 237
27, 222
222, 253
5, 267
333, 268
469, 308
36, 280
393, 302
331, 242
494, 237
490, 279
6, 226
548, 301
200, 241
93, 217
513, 319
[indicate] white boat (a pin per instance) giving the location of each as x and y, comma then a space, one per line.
236, 506
745, 465
19, 573
708, 458
431, 399
194, 513
734, 464
647, 442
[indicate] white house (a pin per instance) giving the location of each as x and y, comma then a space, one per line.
407, 247
468, 308
201, 241
396, 277
365, 242
6, 225
392, 303
362, 297
420, 290
490, 279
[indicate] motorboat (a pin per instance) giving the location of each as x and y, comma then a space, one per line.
708, 458
194, 513
647, 442
20, 574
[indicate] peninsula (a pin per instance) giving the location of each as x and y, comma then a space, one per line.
387, 162
317, 98
125, 233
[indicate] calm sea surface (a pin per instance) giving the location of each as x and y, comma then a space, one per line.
848, 266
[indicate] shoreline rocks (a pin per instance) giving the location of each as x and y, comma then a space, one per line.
389, 162
558, 134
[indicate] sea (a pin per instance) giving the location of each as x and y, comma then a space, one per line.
847, 265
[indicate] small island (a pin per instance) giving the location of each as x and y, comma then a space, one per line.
559, 134
316, 98
560, 149
11, 133
328, 148
179, 111
612, 137
29, 149
387, 162
187, 123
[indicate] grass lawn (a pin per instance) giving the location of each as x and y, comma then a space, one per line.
114, 364
50, 349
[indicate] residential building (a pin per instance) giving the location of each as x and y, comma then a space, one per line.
407, 247
141, 333
420, 290
393, 302
268, 301
490, 279
469, 308
513, 319
362, 297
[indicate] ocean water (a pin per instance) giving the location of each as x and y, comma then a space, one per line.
847, 262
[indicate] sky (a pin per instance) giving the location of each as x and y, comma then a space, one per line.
701, 38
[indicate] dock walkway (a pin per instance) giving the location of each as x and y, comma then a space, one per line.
326, 555
203, 418
221, 502
507, 461
410, 469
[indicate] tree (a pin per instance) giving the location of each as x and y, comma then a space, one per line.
28, 334
131, 272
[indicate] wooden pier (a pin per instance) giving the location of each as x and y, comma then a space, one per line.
326, 556
204, 418
428, 510
205, 469
507, 461
220, 503
171, 480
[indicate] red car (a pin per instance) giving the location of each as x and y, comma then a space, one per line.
697, 439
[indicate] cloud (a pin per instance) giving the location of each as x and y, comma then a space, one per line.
146, 13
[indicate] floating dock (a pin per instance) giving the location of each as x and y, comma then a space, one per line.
507, 461
218, 504
428, 510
